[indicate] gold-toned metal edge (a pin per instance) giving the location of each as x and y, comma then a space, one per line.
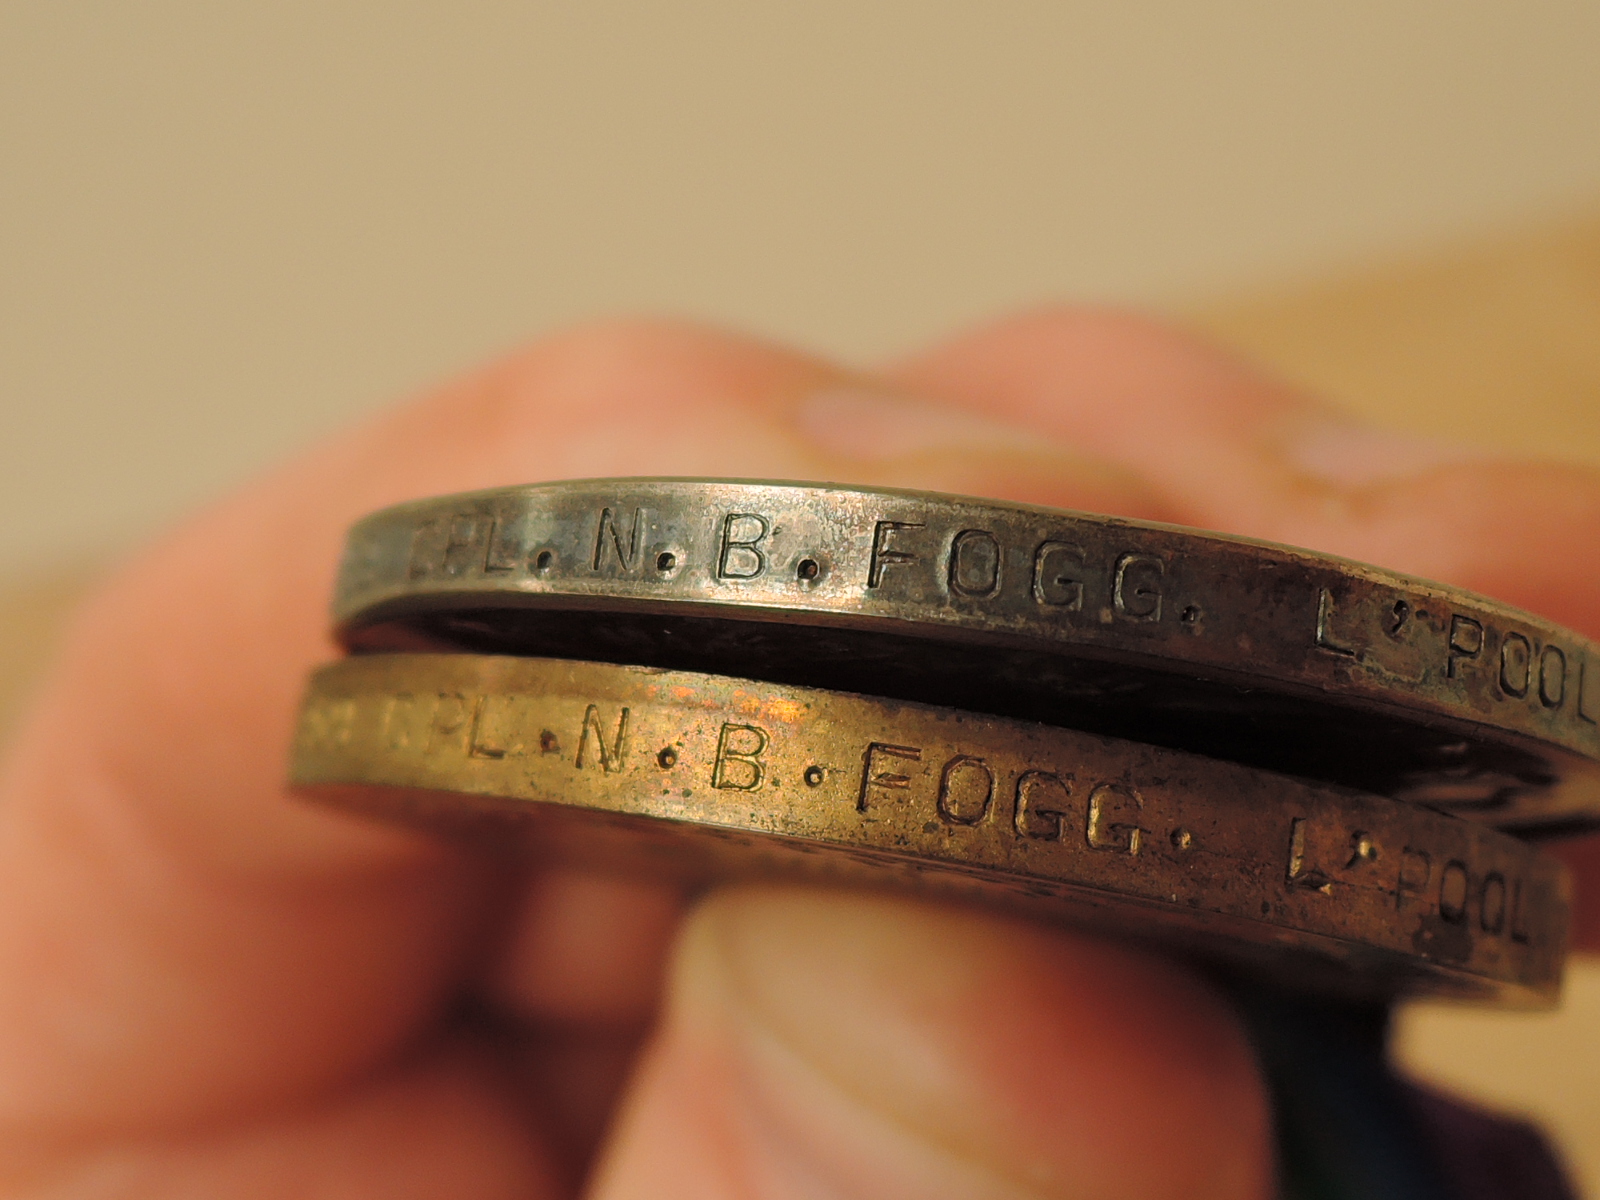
712, 777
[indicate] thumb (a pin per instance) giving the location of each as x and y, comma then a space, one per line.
819, 1044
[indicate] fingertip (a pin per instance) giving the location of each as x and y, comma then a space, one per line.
585, 950
1231, 448
1511, 530
1081, 364
893, 1048
1582, 857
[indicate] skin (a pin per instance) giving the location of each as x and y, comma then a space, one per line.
211, 988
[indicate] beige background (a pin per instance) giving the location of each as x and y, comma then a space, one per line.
227, 227
224, 229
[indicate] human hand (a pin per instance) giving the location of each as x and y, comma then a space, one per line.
209, 987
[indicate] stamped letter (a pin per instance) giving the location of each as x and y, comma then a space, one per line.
1324, 639
1136, 587
425, 542
450, 713
882, 555
1301, 874
1416, 870
742, 534
1516, 665
884, 779
464, 544
1056, 570
1492, 903
1519, 917
1466, 642
1552, 677
1043, 798
966, 789
975, 563
398, 723
503, 551
739, 765
1103, 832
610, 535
328, 722
610, 756
456, 545
1588, 704
1453, 891
491, 723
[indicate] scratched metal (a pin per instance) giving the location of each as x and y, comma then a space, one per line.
707, 777
1262, 654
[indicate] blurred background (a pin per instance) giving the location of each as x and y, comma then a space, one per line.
226, 229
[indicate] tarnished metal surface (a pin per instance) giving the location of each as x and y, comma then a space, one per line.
1262, 654
706, 777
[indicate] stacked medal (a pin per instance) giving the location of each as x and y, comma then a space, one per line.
1305, 769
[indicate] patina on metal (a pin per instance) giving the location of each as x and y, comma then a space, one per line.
1261, 654
703, 777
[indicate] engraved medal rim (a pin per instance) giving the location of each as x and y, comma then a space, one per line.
489, 672
1571, 757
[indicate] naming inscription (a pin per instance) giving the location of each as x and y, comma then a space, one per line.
1517, 664
907, 559
963, 790
970, 563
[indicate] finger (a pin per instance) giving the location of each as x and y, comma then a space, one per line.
445, 1126
1231, 449
180, 939
838, 1045
577, 981
585, 949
